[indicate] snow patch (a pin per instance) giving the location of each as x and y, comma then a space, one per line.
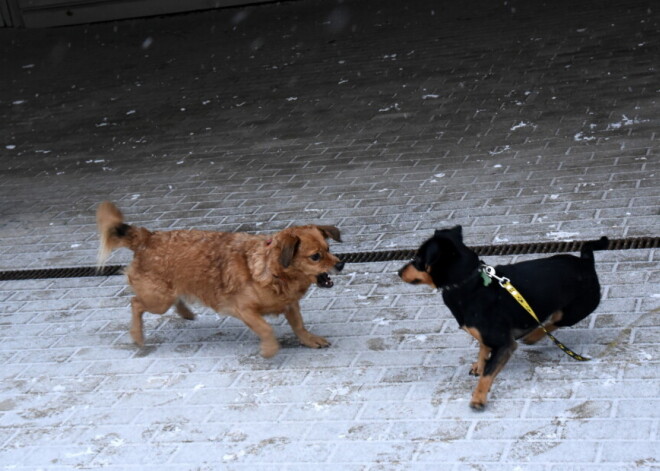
499, 150
88, 451
394, 107
117, 442
521, 124
564, 236
381, 321
581, 137
625, 121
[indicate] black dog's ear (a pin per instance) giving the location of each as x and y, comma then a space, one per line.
456, 231
290, 245
430, 253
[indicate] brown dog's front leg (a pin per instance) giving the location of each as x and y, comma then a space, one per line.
293, 316
256, 322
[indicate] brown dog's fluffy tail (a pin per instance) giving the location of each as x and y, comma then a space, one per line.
114, 233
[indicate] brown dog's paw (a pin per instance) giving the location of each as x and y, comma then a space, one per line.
269, 348
137, 337
474, 371
313, 341
477, 405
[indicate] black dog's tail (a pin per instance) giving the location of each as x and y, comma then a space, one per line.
588, 248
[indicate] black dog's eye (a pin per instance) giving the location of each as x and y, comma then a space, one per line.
316, 257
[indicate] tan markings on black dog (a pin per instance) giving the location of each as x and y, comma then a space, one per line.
484, 353
538, 333
411, 275
499, 357
243, 275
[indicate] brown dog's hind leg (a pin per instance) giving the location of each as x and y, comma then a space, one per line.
498, 358
538, 333
136, 331
138, 308
183, 310
294, 318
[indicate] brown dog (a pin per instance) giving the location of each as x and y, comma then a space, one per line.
246, 276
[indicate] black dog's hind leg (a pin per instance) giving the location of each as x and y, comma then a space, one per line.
498, 358
538, 333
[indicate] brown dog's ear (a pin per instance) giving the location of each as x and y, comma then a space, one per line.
290, 245
330, 231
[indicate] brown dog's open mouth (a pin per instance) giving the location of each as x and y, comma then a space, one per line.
323, 281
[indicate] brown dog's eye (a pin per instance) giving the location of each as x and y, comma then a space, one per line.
316, 257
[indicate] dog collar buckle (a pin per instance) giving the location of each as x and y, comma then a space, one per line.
490, 272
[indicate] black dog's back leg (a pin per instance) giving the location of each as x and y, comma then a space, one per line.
581, 307
498, 358
538, 333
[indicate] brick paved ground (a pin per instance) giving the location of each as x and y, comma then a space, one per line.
522, 122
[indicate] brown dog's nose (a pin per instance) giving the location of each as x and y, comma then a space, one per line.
339, 266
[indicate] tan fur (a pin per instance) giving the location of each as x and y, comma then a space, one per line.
484, 352
480, 394
410, 274
108, 216
243, 275
538, 333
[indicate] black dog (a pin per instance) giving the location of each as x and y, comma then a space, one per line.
562, 290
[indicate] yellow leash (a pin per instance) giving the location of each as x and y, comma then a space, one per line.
506, 284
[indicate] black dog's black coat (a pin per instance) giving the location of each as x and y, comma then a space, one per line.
562, 290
